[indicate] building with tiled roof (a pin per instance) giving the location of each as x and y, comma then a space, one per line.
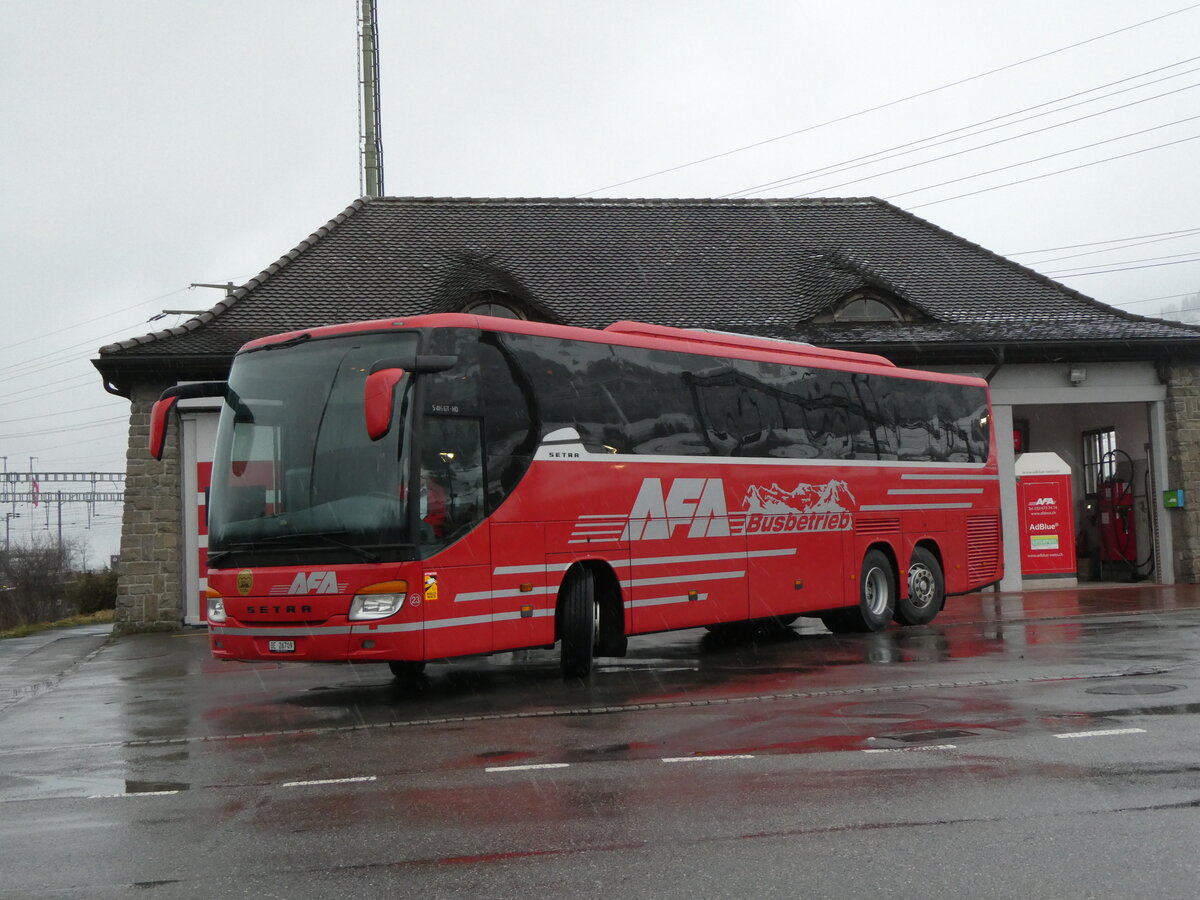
854, 273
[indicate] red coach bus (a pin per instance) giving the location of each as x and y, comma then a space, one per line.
449, 485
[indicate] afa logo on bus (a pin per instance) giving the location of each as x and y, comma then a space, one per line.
697, 507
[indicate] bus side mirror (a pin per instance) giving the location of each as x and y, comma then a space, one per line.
165, 403
158, 425
379, 395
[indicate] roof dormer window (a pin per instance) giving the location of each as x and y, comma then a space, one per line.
865, 308
494, 303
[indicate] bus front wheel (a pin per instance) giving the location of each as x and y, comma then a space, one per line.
406, 669
926, 590
876, 599
578, 623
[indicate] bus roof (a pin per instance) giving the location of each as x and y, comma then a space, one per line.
734, 341
664, 337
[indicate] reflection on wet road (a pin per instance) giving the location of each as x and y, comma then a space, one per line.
1014, 721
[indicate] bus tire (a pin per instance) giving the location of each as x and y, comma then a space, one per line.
406, 669
926, 590
577, 614
876, 599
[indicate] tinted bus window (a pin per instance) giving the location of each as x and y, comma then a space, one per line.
633, 400
510, 435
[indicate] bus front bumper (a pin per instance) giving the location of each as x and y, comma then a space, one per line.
346, 642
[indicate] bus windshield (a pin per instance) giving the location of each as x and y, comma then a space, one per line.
297, 473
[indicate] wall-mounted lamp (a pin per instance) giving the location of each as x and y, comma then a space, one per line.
1078, 377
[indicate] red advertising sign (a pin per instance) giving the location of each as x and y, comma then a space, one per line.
1047, 525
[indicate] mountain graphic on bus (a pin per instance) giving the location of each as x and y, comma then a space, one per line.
831, 497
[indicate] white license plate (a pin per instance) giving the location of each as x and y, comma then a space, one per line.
281, 646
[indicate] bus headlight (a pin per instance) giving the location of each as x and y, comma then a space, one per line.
378, 601
216, 606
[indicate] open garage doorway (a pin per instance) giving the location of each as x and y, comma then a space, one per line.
1109, 450
1107, 422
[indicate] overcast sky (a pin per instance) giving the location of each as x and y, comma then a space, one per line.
148, 145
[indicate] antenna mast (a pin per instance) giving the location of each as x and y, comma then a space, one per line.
370, 139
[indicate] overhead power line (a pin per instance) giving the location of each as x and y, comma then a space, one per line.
1116, 247
1123, 303
73, 383
1015, 137
997, 187
83, 426
54, 415
1055, 155
890, 103
1118, 262
38, 337
57, 358
1076, 273
1132, 237
1042, 262
963, 132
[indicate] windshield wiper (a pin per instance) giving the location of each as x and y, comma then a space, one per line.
325, 537
290, 342
365, 555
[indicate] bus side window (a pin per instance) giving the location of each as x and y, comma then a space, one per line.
451, 501
510, 431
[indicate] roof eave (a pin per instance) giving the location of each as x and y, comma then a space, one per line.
976, 352
120, 374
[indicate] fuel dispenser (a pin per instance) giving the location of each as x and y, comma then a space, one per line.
1114, 510
1115, 517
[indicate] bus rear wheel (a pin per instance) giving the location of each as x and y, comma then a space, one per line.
876, 599
578, 624
926, 590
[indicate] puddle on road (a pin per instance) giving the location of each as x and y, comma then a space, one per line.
1134, 689
154, 787
882, 708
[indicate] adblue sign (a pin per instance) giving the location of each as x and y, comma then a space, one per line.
1047, 524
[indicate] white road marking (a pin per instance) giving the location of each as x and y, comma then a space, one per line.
913, 749
133, 794
1104, 733
527, 768
675, 759
358, 778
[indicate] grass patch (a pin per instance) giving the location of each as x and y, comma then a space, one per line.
96, 618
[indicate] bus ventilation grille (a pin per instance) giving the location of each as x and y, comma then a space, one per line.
876, 525
983, 547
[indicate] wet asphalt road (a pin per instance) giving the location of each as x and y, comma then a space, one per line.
1035, 745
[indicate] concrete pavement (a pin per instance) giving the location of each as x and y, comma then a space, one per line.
32, 665
35, 665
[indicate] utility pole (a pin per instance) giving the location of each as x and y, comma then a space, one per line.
8, 517
370, 138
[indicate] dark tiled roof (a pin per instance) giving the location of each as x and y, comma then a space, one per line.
758, 266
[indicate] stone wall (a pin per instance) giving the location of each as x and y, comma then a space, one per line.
1183, 466
150, 575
